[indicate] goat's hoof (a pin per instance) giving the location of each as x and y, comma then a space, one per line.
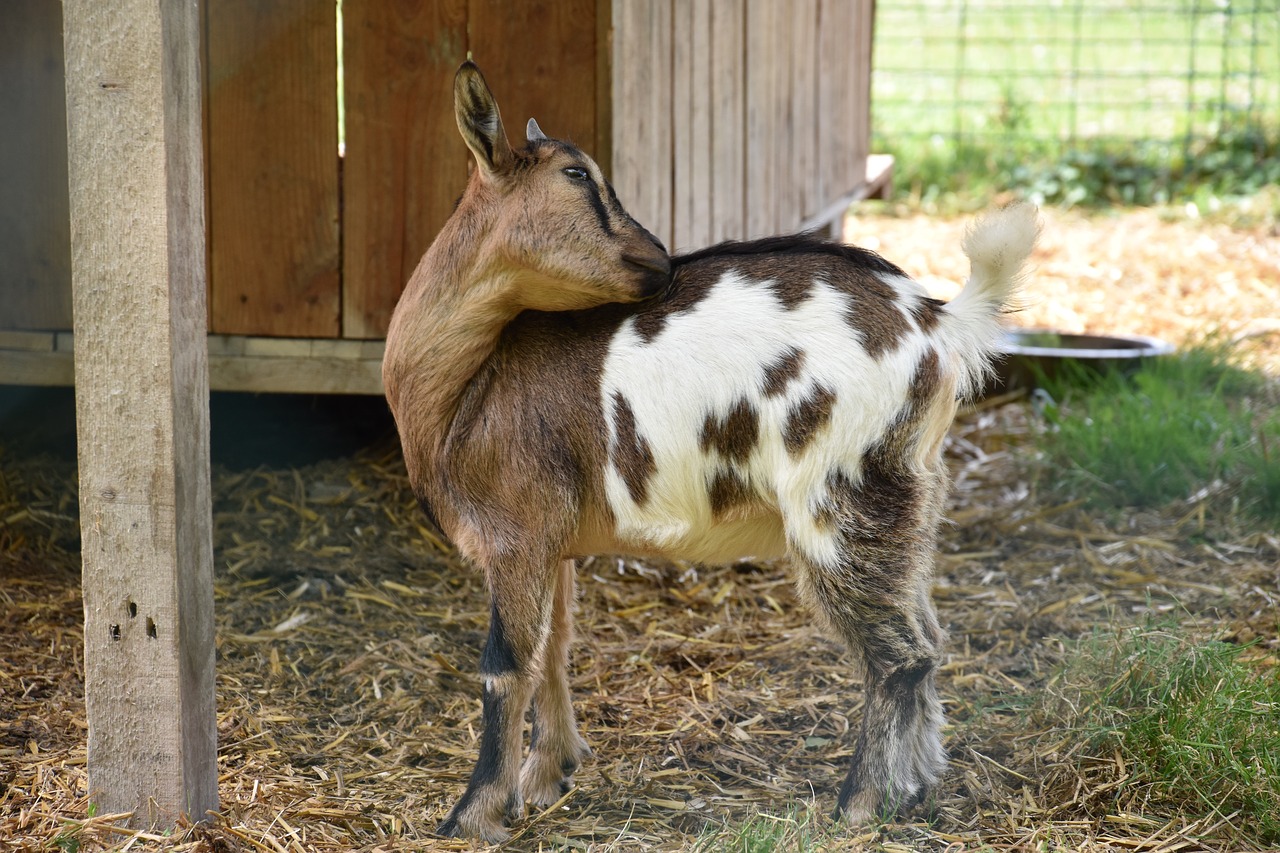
545, 778
869, 807
461, 825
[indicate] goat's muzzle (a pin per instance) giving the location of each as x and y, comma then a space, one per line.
654, 269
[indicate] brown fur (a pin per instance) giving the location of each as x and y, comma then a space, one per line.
807, 418
728, 492
734, 435
630, 453
779, 375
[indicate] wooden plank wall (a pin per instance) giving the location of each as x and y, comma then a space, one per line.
35, 248
765, 124
405, 163
642, 113
728, 105
273, 167
717, 119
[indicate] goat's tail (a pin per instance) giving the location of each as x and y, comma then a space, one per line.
997, 245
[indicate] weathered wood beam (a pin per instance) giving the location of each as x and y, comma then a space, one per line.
142, 414
236, 363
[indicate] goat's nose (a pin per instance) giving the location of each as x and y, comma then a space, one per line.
654, 262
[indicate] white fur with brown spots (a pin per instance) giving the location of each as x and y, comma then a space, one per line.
563, 388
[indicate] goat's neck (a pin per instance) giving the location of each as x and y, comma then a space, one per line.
456, 316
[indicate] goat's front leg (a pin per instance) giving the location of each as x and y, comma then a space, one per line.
522, 598
556, 750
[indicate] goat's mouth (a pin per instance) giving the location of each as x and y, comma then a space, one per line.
655, 271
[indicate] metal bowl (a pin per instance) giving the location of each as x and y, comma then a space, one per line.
1031, 353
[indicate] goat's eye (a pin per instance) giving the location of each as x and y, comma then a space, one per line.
577, 173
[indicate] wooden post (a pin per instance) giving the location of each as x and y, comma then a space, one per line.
142, 413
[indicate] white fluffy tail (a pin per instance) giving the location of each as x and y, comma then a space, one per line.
997, 246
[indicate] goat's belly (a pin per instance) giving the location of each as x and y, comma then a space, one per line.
760, 537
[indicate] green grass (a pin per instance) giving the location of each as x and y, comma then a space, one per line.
1234, 175
795, 832
1179, 425
1113, 105
1197, 726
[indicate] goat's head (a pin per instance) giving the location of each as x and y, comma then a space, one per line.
550, 225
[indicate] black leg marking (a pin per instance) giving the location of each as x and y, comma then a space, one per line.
903, 690
498, 657
489, 762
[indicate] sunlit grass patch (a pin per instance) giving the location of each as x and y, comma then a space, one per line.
1190, 727
1192, 424
1231, 177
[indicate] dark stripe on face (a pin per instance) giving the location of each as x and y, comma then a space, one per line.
597, 204
614, 204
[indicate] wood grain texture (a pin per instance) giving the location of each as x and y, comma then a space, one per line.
273, 167
316, 366
643, 165
860, 95
763, 131
540, 60
311, 374
842, 90
808, 186
830, 50
691, 116
728, 120
682, 124
405, 163
137, 238
18, 367
28, 341
700, 178
35, 243
603, 149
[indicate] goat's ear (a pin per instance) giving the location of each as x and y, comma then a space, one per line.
479, 121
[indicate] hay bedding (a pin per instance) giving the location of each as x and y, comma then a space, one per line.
348, 637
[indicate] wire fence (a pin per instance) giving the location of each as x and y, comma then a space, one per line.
1060, 73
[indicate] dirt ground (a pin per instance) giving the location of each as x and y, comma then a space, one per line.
348, 637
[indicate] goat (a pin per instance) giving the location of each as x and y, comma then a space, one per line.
562, 387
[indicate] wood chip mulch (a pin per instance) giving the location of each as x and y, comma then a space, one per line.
348, 635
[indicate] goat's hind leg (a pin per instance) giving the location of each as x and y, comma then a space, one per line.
556, 749
899, 755
519, 624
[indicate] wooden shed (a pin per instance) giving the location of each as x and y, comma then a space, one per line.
716, 119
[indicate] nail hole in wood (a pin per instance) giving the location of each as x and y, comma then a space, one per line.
151, 628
